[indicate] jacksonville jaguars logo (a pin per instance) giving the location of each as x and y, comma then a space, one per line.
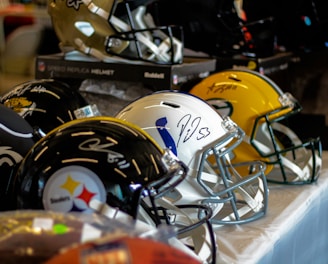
21, 105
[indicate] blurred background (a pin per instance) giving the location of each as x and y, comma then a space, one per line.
224, 29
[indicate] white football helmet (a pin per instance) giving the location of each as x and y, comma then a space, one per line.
204, 141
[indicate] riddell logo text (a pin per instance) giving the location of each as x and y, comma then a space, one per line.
154, 75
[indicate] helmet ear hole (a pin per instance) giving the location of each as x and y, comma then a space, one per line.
85, 28
171, 105
234, 78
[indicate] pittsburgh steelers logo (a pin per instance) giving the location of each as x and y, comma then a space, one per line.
71, 189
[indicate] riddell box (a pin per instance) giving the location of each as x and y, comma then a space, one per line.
76, 66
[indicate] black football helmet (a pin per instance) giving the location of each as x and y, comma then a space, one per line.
16, 139
95, 158
101, 163
47, 103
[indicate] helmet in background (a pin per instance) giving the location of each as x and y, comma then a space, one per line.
109, 29
218, 27
203, 140
47, 103
261, 109
16, 139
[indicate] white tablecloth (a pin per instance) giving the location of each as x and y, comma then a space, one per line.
295, 229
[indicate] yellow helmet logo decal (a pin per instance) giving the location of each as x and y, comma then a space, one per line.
20, 105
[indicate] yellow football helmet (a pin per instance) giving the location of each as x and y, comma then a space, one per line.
112, 29
260, 108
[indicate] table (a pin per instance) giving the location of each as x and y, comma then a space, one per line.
295, 229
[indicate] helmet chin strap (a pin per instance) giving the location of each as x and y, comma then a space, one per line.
109, 211
159, 53
144, 228
198, 238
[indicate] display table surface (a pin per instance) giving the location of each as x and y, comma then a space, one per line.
295, 229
